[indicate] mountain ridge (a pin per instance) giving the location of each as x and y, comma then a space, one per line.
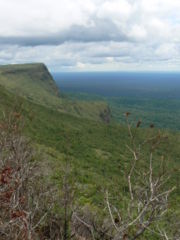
35, 83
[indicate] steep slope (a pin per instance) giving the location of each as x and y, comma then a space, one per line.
35, 83
97, 152
30, 80
95, 148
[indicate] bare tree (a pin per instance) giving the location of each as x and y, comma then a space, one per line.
67, 201
58, 225
26, 201
147, 202
22, 197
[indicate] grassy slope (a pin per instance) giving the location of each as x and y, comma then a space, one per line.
34, 82
97, 151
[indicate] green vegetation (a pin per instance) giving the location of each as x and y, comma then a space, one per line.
164, 113
96, 151
34, 82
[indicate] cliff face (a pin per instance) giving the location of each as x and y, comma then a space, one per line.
106, 115
27, 78
35, 83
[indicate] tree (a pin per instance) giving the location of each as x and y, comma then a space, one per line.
147, 201
23, 199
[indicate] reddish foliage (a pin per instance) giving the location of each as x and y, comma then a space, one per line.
18, 214
5, 175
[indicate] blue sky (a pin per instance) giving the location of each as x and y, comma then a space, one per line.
91, 35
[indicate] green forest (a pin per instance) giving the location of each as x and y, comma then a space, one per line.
103, 168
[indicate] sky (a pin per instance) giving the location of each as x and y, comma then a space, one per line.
91, 35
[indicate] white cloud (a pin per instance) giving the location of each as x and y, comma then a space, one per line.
110, 59
119, 10
42, 17
81, 34
167, 50
80, 65
138, 32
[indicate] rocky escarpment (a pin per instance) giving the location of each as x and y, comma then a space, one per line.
106, 115
28, 77
35, 83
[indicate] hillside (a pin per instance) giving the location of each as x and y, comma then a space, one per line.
97, 152
35, 83
29, 80
95, 148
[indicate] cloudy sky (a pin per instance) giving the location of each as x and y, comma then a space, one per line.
91, 35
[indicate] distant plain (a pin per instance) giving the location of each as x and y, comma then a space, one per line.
153, 97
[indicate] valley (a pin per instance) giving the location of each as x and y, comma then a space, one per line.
152, 97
